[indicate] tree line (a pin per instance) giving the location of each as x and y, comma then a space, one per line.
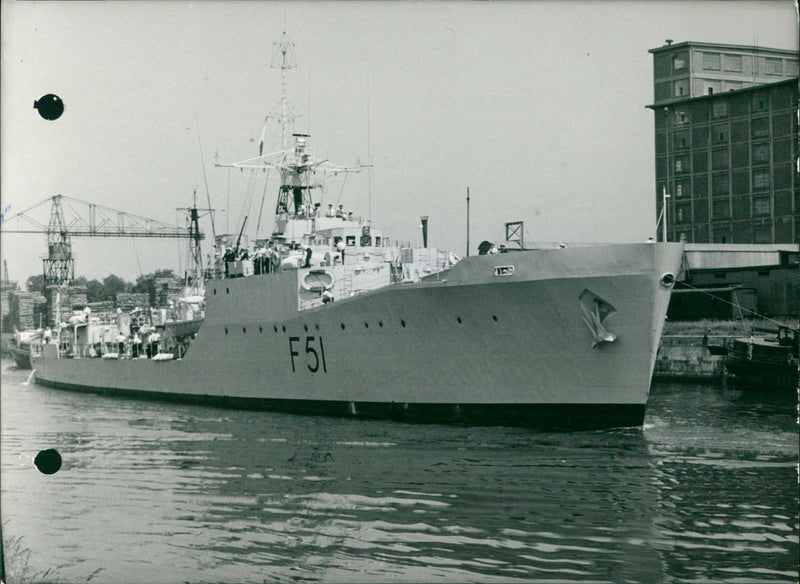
110, 286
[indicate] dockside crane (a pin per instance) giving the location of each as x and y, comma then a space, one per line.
70, 217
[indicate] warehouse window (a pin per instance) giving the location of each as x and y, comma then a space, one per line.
733, 62
719, 133
711, 61
774, 66
722, 208
759, 127
720, 184
760, 101
719, 159
761, 206
761, 179
719, 109
761, 153
763, 233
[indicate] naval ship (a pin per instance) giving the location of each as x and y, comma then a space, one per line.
328, 318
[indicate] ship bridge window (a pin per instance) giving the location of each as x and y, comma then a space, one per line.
350, 240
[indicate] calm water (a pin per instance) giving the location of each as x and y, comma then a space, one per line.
707, 491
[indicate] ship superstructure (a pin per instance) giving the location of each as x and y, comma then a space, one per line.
326, 317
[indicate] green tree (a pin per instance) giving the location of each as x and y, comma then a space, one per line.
146, 283
94, 291
35, 283
112, 285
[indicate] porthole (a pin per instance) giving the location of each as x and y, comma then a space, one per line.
215, 291
667, 279
342, 326
458, 318
316, 327
283, 328
403, 323
275, 328
261, 330
494, 317
226, 330
244, 331
380, 323
305, 327
366, 325
227, 290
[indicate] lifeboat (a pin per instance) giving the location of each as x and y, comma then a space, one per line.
317, 281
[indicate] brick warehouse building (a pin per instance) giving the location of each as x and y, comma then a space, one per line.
726, 143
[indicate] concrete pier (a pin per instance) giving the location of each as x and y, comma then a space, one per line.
686, 358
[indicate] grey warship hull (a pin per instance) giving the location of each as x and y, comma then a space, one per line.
562, 338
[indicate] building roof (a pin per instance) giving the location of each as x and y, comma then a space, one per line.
750, 48
741, 247
751, 88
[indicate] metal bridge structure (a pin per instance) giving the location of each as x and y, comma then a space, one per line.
70, 217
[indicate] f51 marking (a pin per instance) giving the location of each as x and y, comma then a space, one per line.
314, 358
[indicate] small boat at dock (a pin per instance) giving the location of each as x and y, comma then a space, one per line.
768, 359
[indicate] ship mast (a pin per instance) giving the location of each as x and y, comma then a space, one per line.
295, 210
283, 58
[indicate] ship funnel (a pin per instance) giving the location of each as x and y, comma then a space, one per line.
424, 226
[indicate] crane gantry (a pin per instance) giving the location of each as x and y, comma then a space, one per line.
95, 221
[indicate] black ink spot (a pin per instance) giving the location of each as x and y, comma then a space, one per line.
50, 106
48, 461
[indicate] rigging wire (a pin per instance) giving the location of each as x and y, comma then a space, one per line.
369, 152
136, 253
228, 205
205, 178
737, 306
341, 190
263, 198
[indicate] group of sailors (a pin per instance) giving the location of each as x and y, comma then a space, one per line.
339, 212
310, 211
144, 345
265, 259
137, 346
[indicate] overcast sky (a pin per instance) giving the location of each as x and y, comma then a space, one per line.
537, 107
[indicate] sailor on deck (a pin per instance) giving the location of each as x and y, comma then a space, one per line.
136, 346
340, 249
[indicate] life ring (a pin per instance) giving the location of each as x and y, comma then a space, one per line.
318, 281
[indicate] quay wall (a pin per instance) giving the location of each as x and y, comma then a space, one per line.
685, 358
